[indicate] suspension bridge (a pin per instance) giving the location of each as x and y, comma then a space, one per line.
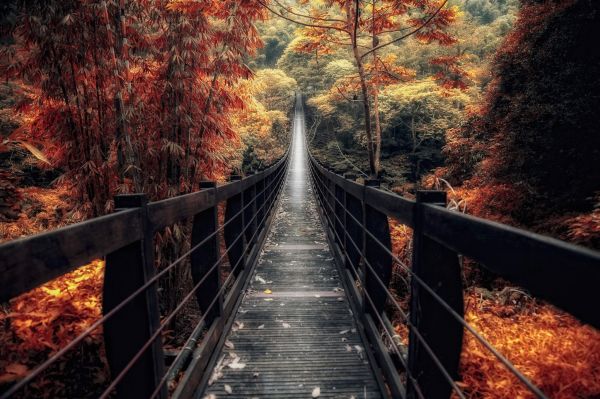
305, 307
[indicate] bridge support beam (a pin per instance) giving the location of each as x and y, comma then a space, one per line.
380, 260
438, 267
205, 257
234, 230
127, 269
249, 198
354, 235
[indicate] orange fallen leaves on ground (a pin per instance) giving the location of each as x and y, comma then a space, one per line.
45, 319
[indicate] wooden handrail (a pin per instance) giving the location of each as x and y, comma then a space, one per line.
563, 273
29, 262
356, 219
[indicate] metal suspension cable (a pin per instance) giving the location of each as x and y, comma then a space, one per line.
413, 328
166, 321
532, 387
337, 144
41, 368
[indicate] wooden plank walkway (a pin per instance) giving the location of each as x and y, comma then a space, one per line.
294, 335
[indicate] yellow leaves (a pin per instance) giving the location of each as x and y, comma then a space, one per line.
51, 292
268, 291
52, 315
553, 349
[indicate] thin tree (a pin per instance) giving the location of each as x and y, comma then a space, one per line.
358, 25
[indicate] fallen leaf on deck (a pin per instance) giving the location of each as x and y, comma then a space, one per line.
286, 325
261, 326
268, 291
316, 392
236, 365
229, 344
228, 389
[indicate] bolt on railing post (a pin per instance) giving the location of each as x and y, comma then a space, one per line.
205, 224
127, 269
234, 229
438, 267
376, 223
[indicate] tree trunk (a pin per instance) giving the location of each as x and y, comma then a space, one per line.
363, 85
375, 42
377, 131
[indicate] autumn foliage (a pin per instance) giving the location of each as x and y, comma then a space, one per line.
529, 155
132, 96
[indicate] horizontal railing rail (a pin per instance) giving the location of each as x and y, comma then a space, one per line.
131, 323
356, 218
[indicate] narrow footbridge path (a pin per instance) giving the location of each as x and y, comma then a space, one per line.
295, 331
290, 271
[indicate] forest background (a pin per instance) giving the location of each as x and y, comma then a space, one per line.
497, 106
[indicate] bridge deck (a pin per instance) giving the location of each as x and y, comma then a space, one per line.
294, 331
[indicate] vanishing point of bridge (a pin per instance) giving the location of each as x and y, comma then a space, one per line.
295, 330
292, 284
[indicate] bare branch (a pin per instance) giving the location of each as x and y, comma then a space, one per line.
308, 16
328, 27
424, 24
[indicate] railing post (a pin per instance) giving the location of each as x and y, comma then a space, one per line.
260, 200
249, 212
353, 229
376, 223
205, 257
127, 269
339, 221
234, 228
438, 267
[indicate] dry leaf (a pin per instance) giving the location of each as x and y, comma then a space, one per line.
228, 389
286, 325
36, 153
17, 369
229, 344
268, 291
236, 365
316, 392
261, 326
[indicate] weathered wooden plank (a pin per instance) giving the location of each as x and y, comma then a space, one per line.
172, 210
564, 274
192, 376
383, 358
31, 261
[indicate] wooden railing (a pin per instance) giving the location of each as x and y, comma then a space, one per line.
356, 218
131, 320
